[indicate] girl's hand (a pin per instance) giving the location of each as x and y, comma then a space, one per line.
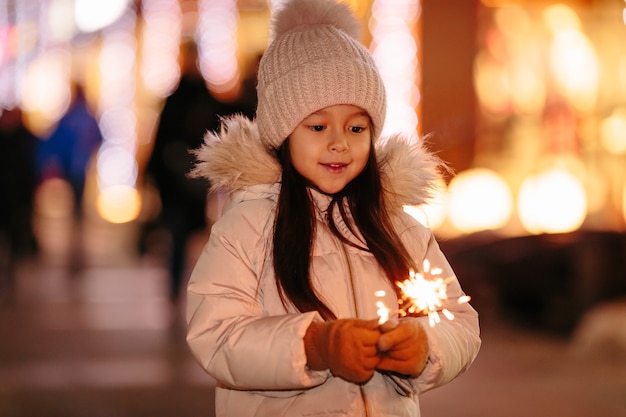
348, 347
403, 349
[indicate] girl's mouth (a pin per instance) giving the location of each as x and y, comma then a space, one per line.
335, 166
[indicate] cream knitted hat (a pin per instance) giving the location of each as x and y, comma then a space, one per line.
313, 61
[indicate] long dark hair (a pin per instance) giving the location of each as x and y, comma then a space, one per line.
294, 230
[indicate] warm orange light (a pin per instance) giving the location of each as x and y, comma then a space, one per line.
573, 60
118, 204
492, 83
613, 132
553, 201
45, 90
479, 200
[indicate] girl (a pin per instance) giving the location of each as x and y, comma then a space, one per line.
281, 304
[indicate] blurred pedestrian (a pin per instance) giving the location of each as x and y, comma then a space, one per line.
17, 187
66, 154
188, 113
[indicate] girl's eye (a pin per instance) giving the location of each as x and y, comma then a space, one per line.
316, 128
357, 129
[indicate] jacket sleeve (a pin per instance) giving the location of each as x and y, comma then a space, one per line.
229, 332
453, 344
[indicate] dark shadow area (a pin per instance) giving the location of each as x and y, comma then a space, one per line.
545, 283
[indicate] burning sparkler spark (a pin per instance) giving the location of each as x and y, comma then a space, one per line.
386, 319
426, 294
381, 309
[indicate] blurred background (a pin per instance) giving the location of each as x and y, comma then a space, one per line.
100, 102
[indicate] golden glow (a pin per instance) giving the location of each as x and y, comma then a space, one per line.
553, 201
560, 18
425, 293
492, 83
118, 203
508, 74
46, 89
528, 89
613, 132
510, 71
573, 61
479, 200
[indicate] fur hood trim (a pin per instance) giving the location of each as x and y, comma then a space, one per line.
235, 157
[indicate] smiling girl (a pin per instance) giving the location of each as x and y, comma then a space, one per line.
281, 305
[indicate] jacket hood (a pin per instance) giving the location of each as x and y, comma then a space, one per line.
235, 157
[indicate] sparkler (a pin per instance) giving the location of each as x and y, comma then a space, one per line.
422, 294
426, 294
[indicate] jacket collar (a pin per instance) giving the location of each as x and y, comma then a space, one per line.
234, 159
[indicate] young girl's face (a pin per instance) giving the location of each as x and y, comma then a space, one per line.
331, 146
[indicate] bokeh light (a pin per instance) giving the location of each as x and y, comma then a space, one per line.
573, 59
479, 200
552, 201
116, 166
217, 40
613, 132
508, 71
492, 84
61, 21
395, 51
161, 38
94, 15
46, 91
118, 203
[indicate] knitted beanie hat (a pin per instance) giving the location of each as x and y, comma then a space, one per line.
314, 61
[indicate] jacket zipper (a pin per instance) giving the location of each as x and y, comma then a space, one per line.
356, 310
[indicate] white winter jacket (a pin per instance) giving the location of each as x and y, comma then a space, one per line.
243, 335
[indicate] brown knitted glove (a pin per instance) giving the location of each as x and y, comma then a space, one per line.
347, 347
404, 349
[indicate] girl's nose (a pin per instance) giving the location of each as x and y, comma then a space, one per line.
338, 142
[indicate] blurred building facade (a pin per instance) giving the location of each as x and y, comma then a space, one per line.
526, 100
527, 94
